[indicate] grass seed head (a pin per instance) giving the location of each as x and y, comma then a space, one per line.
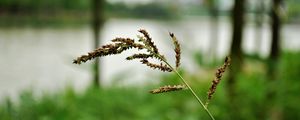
177, 49
217, 79
160, 66
168, 88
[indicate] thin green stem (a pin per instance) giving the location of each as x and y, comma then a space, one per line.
195, 95
191, 90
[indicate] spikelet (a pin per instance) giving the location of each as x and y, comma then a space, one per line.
217, 79
139, 56
102, 51
128, 41
108, 49
177, 49
160, 66
123, 40
168, 88
148, 41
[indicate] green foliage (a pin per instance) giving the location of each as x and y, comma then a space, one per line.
290, 85
43, 5
293, 10
202, 61
108, 104
146, 11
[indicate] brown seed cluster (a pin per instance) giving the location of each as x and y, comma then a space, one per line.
168, 88
118, 46
160, 66
217, 79
148, 40
145, 42
139, 56
177, 49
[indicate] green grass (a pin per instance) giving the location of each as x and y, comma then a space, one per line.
135, 103
108, 104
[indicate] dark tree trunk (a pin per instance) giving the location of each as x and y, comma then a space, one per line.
276, 27
236, 55
274, 113
97, 22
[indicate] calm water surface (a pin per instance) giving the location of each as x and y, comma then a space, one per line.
40, 59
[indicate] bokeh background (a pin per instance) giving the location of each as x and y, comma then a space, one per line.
39, 40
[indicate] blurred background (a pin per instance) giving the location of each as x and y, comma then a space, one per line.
39, 40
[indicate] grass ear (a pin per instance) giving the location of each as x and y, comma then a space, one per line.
168, 88
217, 79
177, 49
145, 42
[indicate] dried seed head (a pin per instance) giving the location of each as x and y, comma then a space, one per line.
109, 49
161, 67
138, 46
139, 56
168, 88
145, 33
124, 40
119, 45
177, 49
217, 79
148, 41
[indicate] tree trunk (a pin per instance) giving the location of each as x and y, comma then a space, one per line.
97, 22
276, 27
274, 112
236, 55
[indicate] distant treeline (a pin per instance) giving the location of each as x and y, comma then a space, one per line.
33, 6
67, 11
41, 7
152, 10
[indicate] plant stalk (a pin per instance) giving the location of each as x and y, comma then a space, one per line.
191, 90
195, 95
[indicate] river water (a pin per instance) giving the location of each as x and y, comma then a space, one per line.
40, 59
